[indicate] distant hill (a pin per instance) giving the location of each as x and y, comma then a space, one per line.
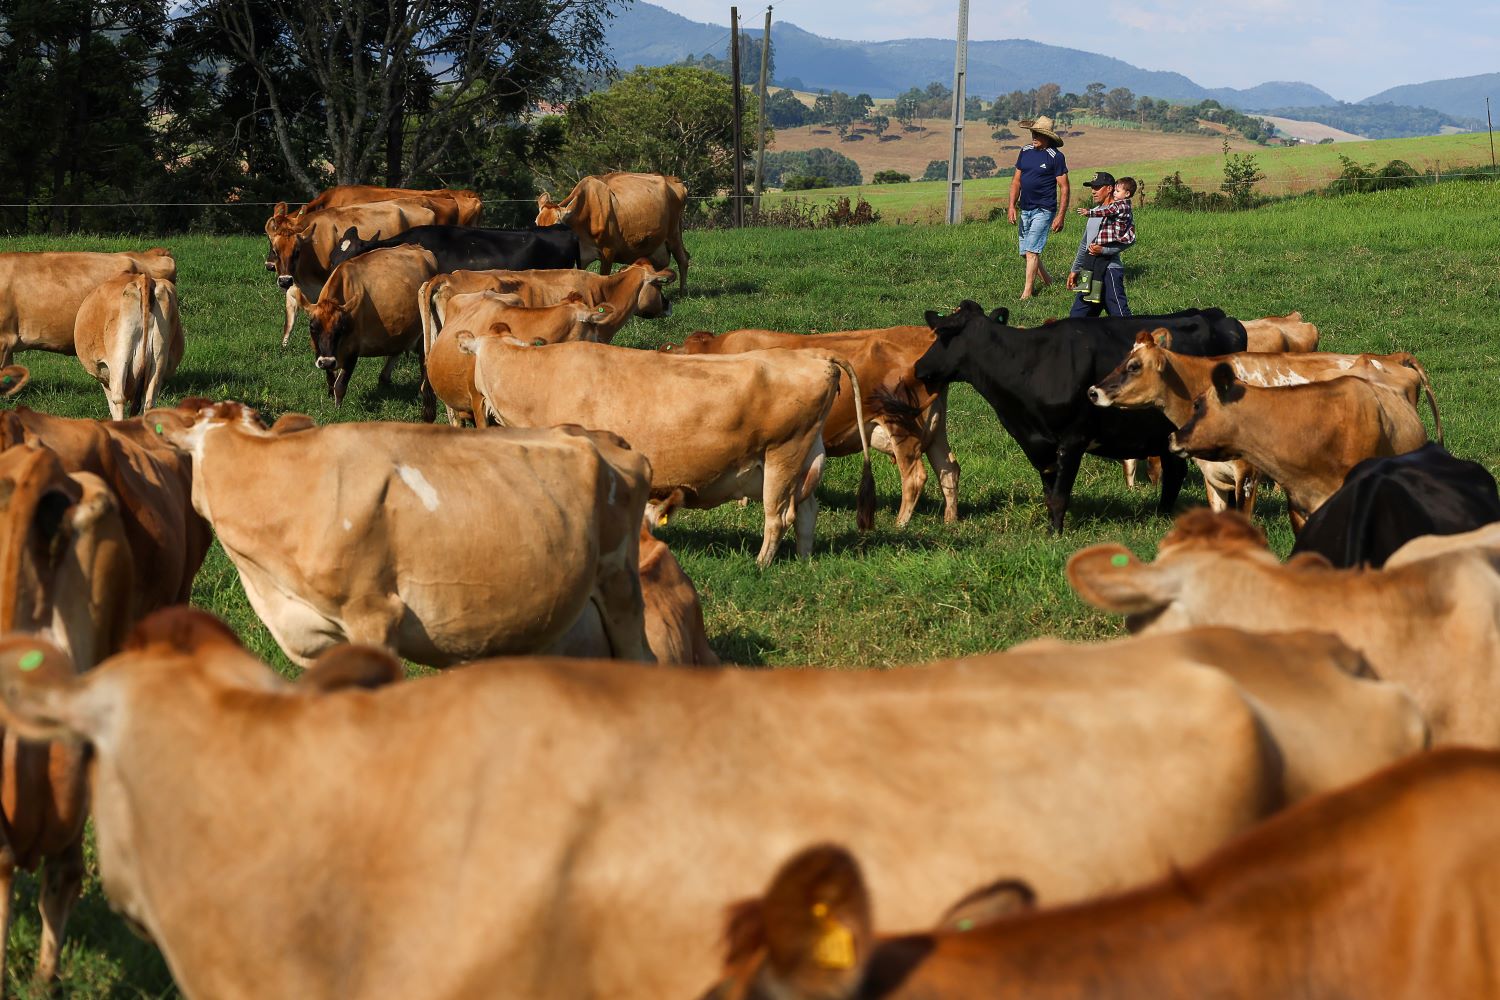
1379, 121
646, 35
1462, 97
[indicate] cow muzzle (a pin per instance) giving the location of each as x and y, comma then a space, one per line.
1099, 397
1176, 446
327, 363
284, 281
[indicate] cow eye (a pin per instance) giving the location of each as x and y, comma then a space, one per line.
1133, 367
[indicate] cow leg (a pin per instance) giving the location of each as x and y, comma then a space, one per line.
8, 344
943, 461
1063, 475
1248, 490
623, 611
332, 378
1173, 472
780, 481
62, 881
390, 366
907, 450
680, 255
7, 881
340, 385
606, 261
1129, 466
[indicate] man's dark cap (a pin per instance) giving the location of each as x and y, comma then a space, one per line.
1101, 179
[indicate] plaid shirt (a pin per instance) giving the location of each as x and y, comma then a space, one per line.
1118, 226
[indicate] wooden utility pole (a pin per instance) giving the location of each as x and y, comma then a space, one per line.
739, 161
1491, 122
956, 158
760, 142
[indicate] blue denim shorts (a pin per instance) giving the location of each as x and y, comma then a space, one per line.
1036, 226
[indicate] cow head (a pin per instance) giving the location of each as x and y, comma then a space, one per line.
650, 302
187, 425
1138, 382
1164, 596
549, 212
947, 358
1213, 430
329, 324
349, 245
697, 342
62, 544
288, 234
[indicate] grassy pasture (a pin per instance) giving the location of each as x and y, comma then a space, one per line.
1411, 270
1288, 170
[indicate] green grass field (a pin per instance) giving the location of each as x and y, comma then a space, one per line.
1410, 270
1288, 170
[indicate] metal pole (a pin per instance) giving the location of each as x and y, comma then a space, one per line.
1491, 122
956, 158
760, 144
739, 159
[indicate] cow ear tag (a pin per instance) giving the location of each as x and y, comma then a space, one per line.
538, 342
31, 660
5, 382
834, 948
158, 428
1120, 559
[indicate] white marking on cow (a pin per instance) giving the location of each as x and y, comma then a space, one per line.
1291, 378
348, 524
344, 245
1345, 364
1377, 365
1137, 347
419, 485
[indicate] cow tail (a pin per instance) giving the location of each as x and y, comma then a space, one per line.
143, 374
424, 348
864, 504
1437, 421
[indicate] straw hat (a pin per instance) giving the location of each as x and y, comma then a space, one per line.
1042, 126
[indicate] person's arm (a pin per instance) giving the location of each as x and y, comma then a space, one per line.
1079, 260
1015, 192
1063, 190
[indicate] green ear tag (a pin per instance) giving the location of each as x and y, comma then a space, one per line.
31, 660
5, 381
158, 428
1119, 560
600, 309
966, 924
538, 342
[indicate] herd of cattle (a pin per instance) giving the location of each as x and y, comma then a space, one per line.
555, 823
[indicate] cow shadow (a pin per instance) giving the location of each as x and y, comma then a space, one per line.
732, 288
743, 648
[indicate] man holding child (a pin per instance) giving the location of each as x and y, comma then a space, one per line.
1110, 229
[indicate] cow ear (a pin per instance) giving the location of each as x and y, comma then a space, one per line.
1001, 316
1161, 336
1226, 386
13, 379
1143, 339
572, 297
349, 666
1110, 577
816, 924
280, 209
181, 629
39, 690
661, 277
291, 423
1308, 560
600, 313
467, 342
510, 299
542, 199
986, 905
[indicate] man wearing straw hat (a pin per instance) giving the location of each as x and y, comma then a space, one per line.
1040, 183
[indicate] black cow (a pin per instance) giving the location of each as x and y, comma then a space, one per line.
1204, 332
1038, 379
466, 248
1386, 502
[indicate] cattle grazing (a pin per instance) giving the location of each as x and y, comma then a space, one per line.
41, 293
459, 248
128, 335
1430, 624
714, 428
1305, 437
379, 547
584, 788
448, 373
1287, 909
368, 308
623, 217
903, 417
636, 290
1037, 382
1386, 502
1274, 334
303, 248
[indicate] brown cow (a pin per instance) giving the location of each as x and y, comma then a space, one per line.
373, 536
1271, 334
1305, 437
904, 419
622, 217
152, 486
1431, 625
633, 291
302, 248
65, 572
129, 336
715, 428
587, 789
1389, 888
467, 204
448, 373
368, 308
40, 293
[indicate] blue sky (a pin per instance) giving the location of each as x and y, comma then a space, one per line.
1349, 50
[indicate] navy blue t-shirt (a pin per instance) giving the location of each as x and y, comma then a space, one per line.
1039, 170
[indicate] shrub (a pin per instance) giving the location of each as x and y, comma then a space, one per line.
1001, 134
891, 177
796, 213
801, 183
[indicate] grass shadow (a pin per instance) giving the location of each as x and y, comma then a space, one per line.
743, 647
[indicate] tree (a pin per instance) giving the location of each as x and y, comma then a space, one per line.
784, 110
891, 177
399, 79
905, 108
1047, 99
666, 119
1119, 103
879, 123
829, 164
937, 170
1241, 174
1093, 97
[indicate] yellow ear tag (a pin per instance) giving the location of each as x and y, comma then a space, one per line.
834, 948
661, 521
31, 660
